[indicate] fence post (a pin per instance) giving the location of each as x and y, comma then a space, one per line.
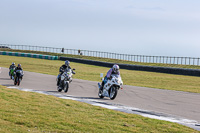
189, 60
181, 60
153, 59
193, 60
177, 60
149, 59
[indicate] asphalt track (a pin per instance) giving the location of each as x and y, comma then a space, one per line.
158, 102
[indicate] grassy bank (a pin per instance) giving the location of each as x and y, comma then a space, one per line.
32, 112
106, 59
90, 72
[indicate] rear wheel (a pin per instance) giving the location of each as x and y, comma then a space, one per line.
100, 94
113, 92
59, 89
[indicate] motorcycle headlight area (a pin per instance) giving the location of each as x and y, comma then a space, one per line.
62, 77
118, 81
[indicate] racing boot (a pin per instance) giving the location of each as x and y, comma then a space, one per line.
102, 84
58, 82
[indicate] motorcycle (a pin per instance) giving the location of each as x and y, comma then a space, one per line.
65, 79
11, 73
18, 77
111, 88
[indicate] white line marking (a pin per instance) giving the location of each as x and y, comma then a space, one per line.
105, 106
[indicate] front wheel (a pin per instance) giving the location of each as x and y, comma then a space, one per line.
15, 81
113, 92
19, 80
66, 87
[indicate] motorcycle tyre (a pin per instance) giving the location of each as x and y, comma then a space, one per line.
59, 89
100, 94
116, 90
15, 81
19, 80
66, 87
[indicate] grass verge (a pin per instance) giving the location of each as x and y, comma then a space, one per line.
105, 59
90, 72
32, 112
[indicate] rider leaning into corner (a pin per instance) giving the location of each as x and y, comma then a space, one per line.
113, 70
63, 68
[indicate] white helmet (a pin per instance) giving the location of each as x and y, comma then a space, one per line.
115, 68
67, 63
13, 63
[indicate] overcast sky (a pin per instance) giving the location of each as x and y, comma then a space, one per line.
144, 27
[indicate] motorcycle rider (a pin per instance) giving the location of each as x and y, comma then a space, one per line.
63, 68
19, 67
113, 70
12, 66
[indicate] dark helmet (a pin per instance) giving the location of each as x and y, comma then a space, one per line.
13, 63
67, 63
19, 65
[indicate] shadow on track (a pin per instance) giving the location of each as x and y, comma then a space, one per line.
7, 85
5, 79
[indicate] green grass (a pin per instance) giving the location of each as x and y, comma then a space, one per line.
32, 112
106, 59
90, 72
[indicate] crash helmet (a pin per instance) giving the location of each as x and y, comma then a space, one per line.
13, 63
19, 65
115, 68
67, 63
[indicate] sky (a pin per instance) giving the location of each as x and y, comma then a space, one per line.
137, 27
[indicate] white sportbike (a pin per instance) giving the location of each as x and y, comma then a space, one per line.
65, 79
111, 88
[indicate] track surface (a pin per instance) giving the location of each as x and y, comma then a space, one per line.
181, 104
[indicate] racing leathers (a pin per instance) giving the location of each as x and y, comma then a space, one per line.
108, 76
11, 67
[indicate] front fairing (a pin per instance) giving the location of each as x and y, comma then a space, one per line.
67, 75
19, 73
117, 79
